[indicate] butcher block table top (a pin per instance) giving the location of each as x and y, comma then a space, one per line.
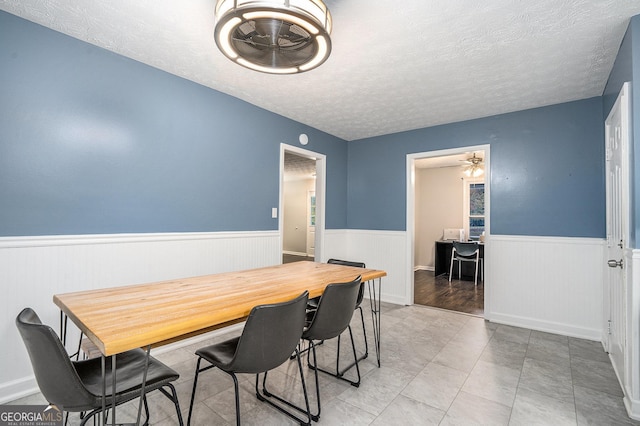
123, 318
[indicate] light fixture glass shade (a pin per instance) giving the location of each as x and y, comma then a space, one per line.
274, 36
474, 170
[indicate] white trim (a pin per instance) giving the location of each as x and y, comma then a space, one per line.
424, 268
410, 212
549, 327
296, 253
629, 378
89, 239
631, 384
548, 240
321, 183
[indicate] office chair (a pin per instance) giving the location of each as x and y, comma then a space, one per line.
464, 252
271, 333
76, 386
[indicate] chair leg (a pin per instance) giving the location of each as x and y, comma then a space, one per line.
237, 393
92, 414
266, 394
476, 275
366, 346
315, 417
302, 351
451, 267
195, 383
173, 396
146, 410
337, 375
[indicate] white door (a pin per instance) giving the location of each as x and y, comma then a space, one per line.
616, 135
311, 224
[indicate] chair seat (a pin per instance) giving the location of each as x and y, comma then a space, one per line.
270, 334
129, 374
77, 386
220, 354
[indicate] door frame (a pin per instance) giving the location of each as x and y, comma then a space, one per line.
410, 211
321, 167
623, 103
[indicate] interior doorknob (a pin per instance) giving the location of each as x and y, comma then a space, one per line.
614, 263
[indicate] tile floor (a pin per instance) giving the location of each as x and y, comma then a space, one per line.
438, 367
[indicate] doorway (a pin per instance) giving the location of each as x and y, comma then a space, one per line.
441, 187
301, 222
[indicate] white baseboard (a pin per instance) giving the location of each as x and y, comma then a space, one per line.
632, 405
424, 268
295, 253
16, 389
547, 326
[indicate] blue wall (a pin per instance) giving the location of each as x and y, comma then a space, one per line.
547, 171
92, 142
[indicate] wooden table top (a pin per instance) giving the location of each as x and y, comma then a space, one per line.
123, 318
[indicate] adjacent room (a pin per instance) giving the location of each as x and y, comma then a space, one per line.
450, 208
432, 198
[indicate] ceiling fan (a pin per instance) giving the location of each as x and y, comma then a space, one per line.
474, 167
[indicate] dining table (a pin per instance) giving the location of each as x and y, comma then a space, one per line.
123, 318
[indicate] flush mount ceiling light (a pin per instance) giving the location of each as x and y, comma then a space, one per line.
274, 36
474, 169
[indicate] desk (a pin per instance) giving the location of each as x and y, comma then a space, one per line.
443, 260
124, 318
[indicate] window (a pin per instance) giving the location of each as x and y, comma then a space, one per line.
474, 209
312, 209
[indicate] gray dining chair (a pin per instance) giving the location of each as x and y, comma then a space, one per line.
271, 333
76, 386
328, 321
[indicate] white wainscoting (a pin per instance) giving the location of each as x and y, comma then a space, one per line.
549, 284
384, 250
630, 380
546, 283
33, 269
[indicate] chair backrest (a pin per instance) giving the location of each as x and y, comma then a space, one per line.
270, 335
346, 263
355, 265
54, 371
466, 249
334, 312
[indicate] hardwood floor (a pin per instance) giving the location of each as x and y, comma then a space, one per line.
288, 258
459, 296
437, 292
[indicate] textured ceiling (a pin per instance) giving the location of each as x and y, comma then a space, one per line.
298, 167
395, 65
